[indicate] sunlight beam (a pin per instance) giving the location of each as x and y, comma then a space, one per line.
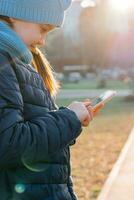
121, 5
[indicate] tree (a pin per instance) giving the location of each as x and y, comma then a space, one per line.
94, 34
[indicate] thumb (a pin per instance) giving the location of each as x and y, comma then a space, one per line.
87, 102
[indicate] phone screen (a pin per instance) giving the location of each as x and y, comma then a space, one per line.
104, 98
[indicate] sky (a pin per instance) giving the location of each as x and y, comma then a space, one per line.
117, 20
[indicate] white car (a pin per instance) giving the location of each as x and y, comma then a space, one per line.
74, 77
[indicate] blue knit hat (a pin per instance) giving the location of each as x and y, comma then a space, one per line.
36, 11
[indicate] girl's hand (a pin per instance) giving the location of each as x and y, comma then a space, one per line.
83, 113
94, 111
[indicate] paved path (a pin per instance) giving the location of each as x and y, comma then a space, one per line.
65, 94
120, 183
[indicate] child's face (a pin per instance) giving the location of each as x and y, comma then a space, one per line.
32, 34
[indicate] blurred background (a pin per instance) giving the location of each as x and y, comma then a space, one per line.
93, 52
96, 41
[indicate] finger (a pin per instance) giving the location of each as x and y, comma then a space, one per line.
86, 121
90, 111
87, 103
85, 100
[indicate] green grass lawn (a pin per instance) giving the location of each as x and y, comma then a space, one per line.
99, 145
85, 84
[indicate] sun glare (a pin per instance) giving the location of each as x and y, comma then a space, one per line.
87, 3
121, 5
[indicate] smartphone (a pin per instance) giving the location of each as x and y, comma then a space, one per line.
104, 98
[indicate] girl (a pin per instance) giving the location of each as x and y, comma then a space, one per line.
35, 134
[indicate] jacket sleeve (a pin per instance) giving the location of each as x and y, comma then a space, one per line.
34, 139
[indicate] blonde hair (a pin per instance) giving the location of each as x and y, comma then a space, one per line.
41, 65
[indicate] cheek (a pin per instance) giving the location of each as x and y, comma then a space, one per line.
32, 37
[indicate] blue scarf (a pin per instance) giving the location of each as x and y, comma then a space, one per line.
13, 44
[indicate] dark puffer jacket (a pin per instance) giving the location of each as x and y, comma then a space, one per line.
34, 137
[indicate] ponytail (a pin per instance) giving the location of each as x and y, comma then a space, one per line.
43, 67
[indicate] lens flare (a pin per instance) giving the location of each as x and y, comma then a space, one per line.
20, 188
28, 162
38, 167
